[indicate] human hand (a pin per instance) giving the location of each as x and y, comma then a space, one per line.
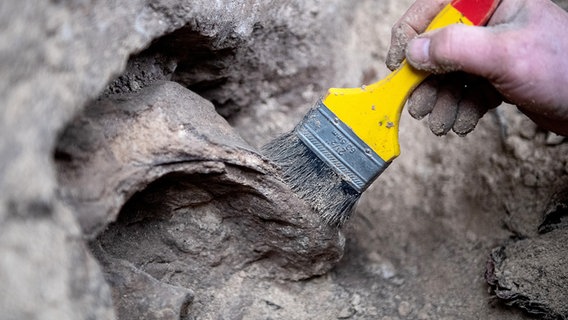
519, 57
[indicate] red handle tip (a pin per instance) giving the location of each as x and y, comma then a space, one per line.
477, 11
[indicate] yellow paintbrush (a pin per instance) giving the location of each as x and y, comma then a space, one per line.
349, 138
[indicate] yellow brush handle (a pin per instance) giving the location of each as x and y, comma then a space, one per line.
373, 112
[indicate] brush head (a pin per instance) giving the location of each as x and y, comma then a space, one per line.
312, 179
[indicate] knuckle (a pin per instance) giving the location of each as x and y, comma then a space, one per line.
401, 33
444, 48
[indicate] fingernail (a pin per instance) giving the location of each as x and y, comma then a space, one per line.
418, 51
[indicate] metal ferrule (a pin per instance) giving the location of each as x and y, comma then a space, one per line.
338, 146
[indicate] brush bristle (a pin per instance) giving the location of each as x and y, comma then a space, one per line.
311, 179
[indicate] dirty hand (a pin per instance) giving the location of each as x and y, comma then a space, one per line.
519, 57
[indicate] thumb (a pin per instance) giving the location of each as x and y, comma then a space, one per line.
456, 48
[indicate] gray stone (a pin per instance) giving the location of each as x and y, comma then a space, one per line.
532, 273
137, 295
47, 272
190, 202
55, 57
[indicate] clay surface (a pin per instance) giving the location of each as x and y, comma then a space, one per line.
520, 277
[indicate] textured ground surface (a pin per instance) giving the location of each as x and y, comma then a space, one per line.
100, 125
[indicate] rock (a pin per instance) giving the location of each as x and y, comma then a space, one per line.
120, 145
47, 272
404, 309
552, 139
137, 295
531, 274
55, 56
346, 313
58, 56
191, 202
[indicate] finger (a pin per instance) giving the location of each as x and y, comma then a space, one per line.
444, 114
479, 96
400, 35
475, 50
412, 23
422, 100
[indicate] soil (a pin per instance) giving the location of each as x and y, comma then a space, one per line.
132, 185
421, 236
419, 241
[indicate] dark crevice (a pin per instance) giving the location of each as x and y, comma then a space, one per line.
144, 204
185, 56
556, 213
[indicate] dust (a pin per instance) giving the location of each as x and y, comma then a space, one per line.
417, 244
436, 214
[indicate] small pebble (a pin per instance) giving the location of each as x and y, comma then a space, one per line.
528, 129
372, 311
346, 313
530, 180
399, 281
552, 139
356, 300
404, 309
